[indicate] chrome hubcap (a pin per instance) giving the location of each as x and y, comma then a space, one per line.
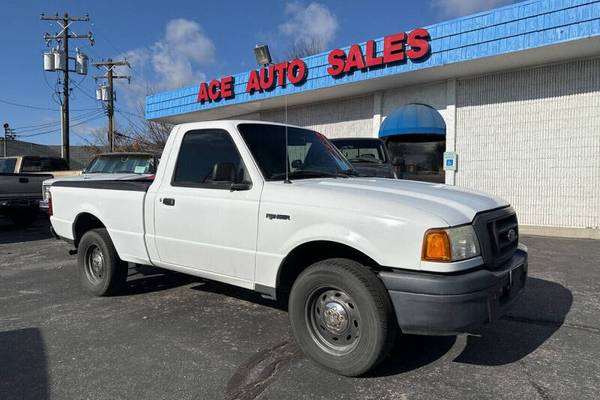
333, 320
335, 317
94, 264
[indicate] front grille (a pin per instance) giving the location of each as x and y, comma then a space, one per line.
498, 234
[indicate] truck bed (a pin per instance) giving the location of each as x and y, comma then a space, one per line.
119, 205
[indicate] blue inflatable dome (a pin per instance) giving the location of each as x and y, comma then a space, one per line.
413, 119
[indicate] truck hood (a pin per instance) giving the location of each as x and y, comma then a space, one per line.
455, 205
374, 170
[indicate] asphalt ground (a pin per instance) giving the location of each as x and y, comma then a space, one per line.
171, 336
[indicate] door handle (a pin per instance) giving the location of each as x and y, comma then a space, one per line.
23, 180
168, 202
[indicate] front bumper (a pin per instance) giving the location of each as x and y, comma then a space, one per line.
436, 304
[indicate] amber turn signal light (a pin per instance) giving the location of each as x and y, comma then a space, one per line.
436, 246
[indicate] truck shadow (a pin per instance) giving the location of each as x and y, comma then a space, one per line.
23, 365
239, 293
143, 279
538, 314
10, 233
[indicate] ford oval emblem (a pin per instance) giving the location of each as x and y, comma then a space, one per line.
511, 235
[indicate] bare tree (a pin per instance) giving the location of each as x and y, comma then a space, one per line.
305, 48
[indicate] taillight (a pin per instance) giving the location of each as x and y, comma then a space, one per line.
50, 211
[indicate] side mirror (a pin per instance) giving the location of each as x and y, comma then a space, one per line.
397, 161
223, 172
240, 187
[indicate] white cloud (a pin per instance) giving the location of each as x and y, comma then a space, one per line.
171, 62
310, 24
458, 8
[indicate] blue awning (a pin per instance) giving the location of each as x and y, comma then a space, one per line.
419, 119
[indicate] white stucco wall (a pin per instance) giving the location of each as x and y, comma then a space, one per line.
344, 118
533, 138
434, 95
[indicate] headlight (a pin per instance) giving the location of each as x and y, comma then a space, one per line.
450, 244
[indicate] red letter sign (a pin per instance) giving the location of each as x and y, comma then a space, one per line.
337, 60
372, 59
296, 71
393, 48
227, 87
418, 40
355, 59
253, 83
202, 93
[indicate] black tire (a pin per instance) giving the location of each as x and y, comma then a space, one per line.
342, 317
23, 218
101, 271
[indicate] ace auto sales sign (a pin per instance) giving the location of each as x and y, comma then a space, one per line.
398, 48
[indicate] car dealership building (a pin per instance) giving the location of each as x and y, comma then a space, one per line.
506, 101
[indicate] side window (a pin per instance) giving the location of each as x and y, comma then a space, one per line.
209, 158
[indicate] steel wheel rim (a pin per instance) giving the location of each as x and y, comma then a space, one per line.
333, 320
94, 264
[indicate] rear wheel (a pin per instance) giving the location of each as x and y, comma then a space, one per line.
342, 317
100, 270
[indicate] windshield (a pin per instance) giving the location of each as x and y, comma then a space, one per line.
361, 151
7, 165
310, 154
126, 164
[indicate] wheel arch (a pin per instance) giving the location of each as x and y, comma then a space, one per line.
83, 223
308, 253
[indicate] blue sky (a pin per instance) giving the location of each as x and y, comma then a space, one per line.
176, 43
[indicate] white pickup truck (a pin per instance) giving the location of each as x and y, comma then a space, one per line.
278, 209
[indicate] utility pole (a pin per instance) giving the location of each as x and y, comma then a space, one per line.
60, 61
9, 134
106, 93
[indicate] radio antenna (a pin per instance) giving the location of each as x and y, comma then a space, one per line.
287, 157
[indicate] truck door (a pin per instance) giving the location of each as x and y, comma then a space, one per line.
201, 221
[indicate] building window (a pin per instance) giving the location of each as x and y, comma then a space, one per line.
422, 156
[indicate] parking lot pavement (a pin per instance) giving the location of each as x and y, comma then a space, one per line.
171, 336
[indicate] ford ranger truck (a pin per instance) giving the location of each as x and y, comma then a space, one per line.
279, 210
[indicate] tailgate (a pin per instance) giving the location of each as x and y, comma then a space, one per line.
22, 186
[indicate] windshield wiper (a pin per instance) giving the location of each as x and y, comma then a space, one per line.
299, 174
365, 160
348, 174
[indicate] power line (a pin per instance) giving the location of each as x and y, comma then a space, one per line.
134, 124
24, 129
97, 116
12, 103
27, 106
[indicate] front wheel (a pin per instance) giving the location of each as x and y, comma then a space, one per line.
342, 317
100, 270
